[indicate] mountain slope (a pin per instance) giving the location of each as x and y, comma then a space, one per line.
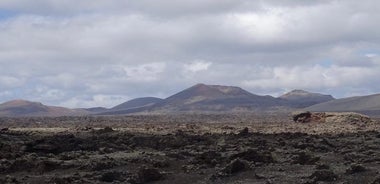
27, 108
365, 104
137, 102
301, 98
132, 106
203, 97
95, 109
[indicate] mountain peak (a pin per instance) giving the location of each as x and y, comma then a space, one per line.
299, 93
302, 98
220, 89
137, 102
211, 91
20, 102
200, 85
21, 107
202, 97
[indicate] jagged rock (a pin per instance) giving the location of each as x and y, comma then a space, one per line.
376, 181
330, 117
355, 168
4, 129
148, 175
244, 132
236, 166
323, 175
255, 156
105, 130
65, 180
46, 166
322, 166
302, 117
305, 158
111, 176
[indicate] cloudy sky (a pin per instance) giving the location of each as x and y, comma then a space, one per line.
84, 53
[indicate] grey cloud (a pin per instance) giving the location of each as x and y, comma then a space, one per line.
85, 53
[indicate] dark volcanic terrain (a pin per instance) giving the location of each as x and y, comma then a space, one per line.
188, 149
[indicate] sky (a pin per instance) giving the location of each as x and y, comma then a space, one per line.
87, 53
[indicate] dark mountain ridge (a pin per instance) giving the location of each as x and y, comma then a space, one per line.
302, 99
207, 98
212, 98
137, 102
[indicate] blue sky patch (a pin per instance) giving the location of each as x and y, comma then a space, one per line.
5, 14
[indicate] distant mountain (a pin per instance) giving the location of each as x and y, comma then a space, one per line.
302, 99
137, 102
27, 108
206, 98
96, 109
132, 106
369, 105
203, 97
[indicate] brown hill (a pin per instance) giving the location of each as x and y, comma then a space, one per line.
27, 108
137, 102
302, 99
203, 97
132, 106
209, 98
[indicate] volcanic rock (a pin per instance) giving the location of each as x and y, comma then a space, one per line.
330, 117
235, 166
323, 175
148, 175
355, 168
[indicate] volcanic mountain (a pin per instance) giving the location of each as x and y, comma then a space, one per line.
133, 106
302, 99
27, 108
198, 98
369, 105
137, 102
95, 110
206, 98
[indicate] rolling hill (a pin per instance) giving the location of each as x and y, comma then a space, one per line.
27, 108
369, 105
203, 97
198, 98
217, 98
302, 99
137, 102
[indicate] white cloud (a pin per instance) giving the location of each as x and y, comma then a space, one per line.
371, 55
98, 100
197, 66
11, 81
260, 27
315, 78
145, 72
5, 93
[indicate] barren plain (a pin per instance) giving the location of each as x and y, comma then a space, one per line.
187, 148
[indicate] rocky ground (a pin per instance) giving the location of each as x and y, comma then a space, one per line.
284, 152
